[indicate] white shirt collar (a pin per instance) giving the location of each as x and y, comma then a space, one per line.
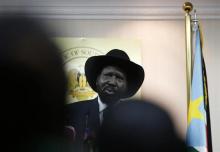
102, 105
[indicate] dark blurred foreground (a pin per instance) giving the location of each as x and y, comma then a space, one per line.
32, 87
139, 126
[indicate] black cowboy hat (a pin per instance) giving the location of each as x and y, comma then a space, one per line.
115, 57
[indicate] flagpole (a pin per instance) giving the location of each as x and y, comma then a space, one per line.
187, 7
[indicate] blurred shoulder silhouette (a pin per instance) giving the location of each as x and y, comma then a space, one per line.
33, 86
138, 126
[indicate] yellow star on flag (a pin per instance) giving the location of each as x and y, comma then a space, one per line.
194, 112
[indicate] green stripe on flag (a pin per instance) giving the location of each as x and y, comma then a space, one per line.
191, 149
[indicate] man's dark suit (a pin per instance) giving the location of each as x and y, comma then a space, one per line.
84, 117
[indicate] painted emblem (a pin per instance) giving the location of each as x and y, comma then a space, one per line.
74, 61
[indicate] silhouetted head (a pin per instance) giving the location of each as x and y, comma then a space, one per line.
138, 126
32, 78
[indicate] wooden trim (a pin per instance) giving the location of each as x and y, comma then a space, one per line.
110, 10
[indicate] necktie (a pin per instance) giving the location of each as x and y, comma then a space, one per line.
101, 116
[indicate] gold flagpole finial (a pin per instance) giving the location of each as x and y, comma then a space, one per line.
187, 7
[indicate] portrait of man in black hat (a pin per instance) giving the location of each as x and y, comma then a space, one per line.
114, 77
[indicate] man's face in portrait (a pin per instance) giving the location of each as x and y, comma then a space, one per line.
112, 82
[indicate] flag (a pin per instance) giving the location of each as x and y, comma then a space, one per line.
198, 137
208, 127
